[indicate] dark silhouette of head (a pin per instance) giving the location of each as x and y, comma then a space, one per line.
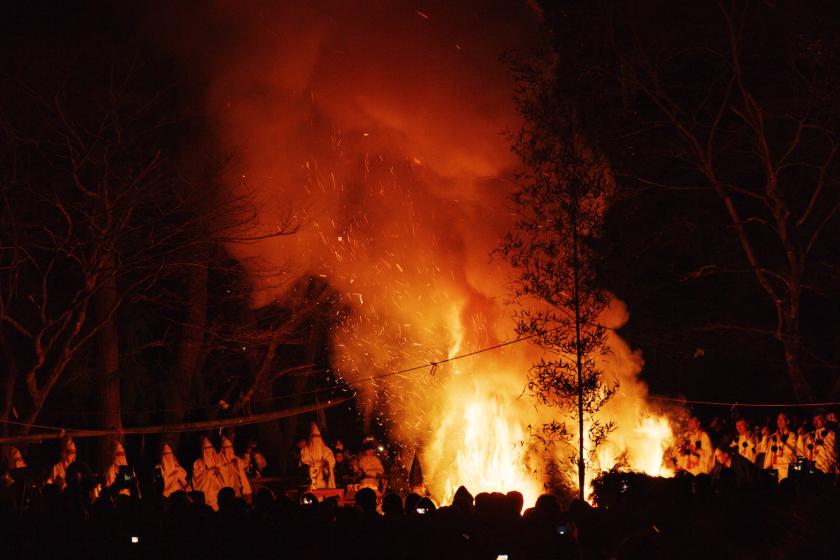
482, 502
264, 499
425, 506
411, 502
546, 504
226, 497
463, 500
392, 505
515, 502
366, 500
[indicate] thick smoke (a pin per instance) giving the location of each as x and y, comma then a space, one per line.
378, 128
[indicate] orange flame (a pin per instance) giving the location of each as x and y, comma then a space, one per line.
480, 441
377, 133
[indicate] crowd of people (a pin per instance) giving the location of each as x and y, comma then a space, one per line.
719, 505
638, 517
314, 467
809, 445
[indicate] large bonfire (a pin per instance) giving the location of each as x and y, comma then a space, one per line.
378, 132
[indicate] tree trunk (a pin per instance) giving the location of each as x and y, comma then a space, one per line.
792, 345
791, 337
108, 362
179, 387
578, 357
299, 384
272, 439
8, 385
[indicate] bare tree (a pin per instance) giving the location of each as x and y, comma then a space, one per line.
729, 105
99, 211
768, 154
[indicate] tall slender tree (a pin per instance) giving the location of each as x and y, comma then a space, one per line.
559, 207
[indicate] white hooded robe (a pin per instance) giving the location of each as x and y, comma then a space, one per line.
58, 475
113, 470
174, 475
207, 474
320, 459
233, 470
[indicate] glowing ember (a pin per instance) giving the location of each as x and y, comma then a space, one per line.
384, 149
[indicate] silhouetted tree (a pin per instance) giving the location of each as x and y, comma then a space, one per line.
559, 211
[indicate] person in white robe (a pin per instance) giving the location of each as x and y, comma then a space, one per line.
12, 460
207, 474
58, 475
819, 446
233, 470
112, 472
174, 475
696, 453
744, 443
782, 447
320, 459
372, 468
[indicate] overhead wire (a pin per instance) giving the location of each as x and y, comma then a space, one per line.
433, 364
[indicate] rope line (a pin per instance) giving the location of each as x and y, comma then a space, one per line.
157, 429
746, 405
443, 361
168, 429
430, 364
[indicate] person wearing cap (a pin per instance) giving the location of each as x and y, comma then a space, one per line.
113, 470
320, 459
207, 474
697, 455
233, 470
819, 446
173, 474
58, 475
744, 443
781, 447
